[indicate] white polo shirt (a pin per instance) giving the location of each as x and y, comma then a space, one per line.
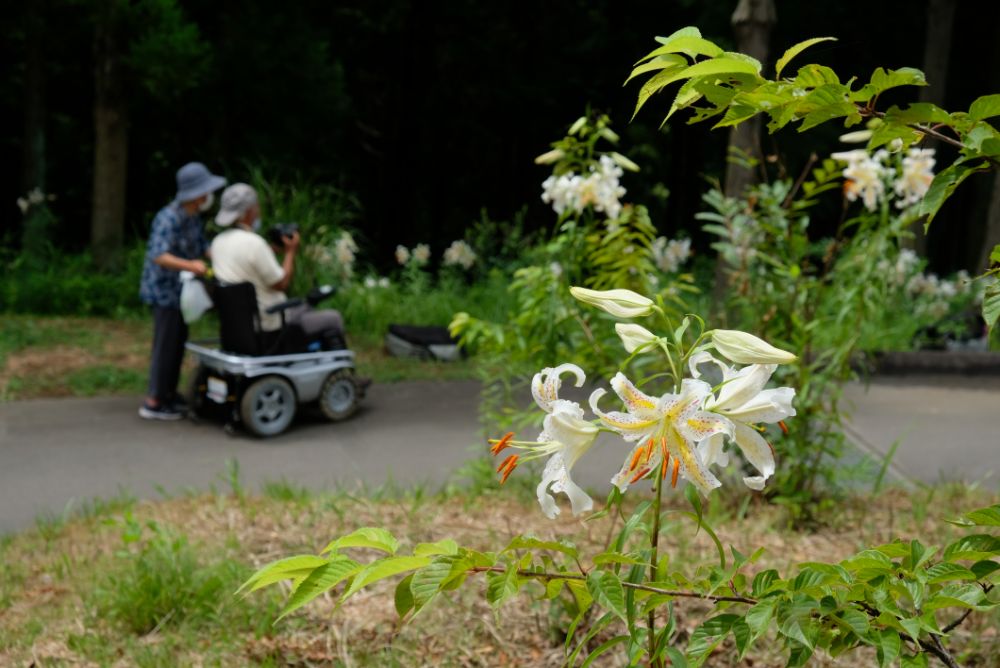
239, 255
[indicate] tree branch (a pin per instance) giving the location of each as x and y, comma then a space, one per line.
627, 585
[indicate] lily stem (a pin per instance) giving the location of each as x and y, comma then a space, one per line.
654, 541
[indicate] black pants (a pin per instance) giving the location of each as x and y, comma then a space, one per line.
170, 333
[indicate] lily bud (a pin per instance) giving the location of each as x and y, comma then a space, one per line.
744, 348
856, 137
549, 157
577, 125
619, 303
634, 336
624, 162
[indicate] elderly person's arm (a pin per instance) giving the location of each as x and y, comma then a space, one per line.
174, 263
288, 262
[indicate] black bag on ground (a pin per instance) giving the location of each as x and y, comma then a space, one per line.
422, 343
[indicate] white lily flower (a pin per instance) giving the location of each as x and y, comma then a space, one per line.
421, 254
402, 254
667, 429
564, 438
744, 401
619, 303
634, 336
743, 348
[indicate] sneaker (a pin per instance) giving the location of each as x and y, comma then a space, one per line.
363, 383
180, 405
148, 412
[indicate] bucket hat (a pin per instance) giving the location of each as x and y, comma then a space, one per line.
194, 180
235, 201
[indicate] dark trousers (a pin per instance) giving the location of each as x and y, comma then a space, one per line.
170, 333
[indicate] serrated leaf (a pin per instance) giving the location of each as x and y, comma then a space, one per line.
427, 582
714, 66
985, 568
759, 616
856, 620
944, 572
662, 62
957, 596
501, 586
687, 31
991, 303
690, 45
381, 569
446, 546
888, 645
984, 107
762, 582
607, 590
944, 185
283, 569
707, 637
532, 543
795, 50
403, 597
974, 547
375, 538
321, 580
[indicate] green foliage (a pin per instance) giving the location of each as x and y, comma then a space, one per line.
162, 582
901, 598
165, 51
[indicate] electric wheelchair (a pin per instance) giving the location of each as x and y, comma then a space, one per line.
257, 378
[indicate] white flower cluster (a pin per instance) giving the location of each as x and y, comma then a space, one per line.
33, 198
420, 254
344, 251
871, 176
934, 295
670, 254
900, 271
461, 254
599, 189
376, 282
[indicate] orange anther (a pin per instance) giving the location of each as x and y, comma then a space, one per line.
663, 469
640, 475
784, 427
635, 459
506, 474
663, 448
510, 462
649, 450
499, 446
677, 470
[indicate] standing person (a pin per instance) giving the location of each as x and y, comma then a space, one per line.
176, 243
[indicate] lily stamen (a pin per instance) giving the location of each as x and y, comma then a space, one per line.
500, 445
640, 475
784, 427
677, 470
509, 462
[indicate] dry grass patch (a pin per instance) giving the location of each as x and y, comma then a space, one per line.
49, 611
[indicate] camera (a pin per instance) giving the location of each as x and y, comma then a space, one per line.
276, 234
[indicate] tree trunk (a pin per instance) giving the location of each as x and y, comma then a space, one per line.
107, 223
752, 22
937, 50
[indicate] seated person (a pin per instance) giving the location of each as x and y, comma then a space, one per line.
240, 255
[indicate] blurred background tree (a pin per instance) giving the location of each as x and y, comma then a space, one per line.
427, 112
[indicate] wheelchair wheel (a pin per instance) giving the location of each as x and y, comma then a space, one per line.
268, 406
339, 397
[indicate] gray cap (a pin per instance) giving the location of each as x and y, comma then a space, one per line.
194, 180
236, 199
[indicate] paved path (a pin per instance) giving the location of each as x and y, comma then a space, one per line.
56, 453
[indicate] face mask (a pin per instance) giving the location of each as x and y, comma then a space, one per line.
255, 225
207, 204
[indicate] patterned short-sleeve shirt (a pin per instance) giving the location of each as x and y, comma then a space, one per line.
180, 234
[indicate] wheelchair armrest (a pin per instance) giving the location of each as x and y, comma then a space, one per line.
319, 293
283, 306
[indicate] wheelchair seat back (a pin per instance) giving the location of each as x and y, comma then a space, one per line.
239, 324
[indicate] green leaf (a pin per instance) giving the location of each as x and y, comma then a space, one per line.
607, 590
501, 586
428, 581
759, 616
688, 31
691, 45
707, 637
983, 569
532, 543
945, 572
743, 637
918, 660
944, 185
602, 648
714, 66
957, 596
403, 597
984, 107
991, 302
856, 620
793, 51
888, 644
321, 580
446, 546
284, 569
381, 569
372, 537
762, 582
975, 547
662, 62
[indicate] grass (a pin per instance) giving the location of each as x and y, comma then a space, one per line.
151, 584
47, 356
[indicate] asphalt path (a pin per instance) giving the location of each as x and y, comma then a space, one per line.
56, 454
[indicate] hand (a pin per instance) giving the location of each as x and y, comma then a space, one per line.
197, 267
291, 241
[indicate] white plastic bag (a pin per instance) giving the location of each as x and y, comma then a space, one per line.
194, 298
